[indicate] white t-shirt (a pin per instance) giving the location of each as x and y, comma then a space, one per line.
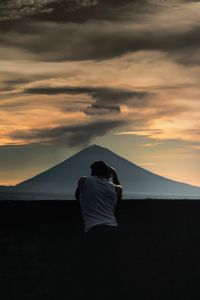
98, 199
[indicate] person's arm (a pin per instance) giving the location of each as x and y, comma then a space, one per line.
79, 187
118, 190
113, 173
115, 180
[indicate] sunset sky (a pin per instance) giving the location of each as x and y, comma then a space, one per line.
124, 74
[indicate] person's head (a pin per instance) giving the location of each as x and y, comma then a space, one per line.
99, 168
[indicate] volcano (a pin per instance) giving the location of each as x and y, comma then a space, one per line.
59, 182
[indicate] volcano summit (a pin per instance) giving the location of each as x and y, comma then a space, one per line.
59, 182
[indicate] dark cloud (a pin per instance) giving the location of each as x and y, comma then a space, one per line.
17, 9
107, 100
97, 41
96, 109
65, 11
53, 31
83, 11
11, 84
14, 80
77, 11
76, 135
188, 57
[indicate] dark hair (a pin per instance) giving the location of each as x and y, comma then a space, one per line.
99, 168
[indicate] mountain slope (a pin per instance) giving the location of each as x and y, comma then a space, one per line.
62, 178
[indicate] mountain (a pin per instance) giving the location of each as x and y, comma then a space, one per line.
59, 182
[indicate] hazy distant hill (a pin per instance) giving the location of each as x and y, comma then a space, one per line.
59, 182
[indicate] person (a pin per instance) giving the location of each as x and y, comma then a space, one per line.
98, 195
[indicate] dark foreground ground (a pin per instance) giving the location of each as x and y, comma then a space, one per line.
158, 253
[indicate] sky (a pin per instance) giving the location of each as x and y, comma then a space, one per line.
121, 74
